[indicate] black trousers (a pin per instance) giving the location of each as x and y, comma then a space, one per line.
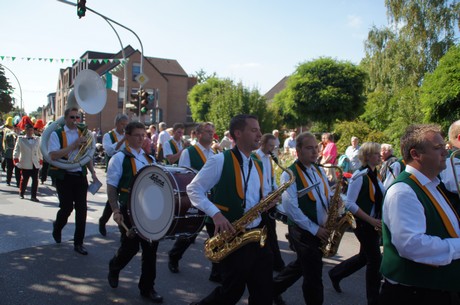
181, 244
129, 248
250, 266
395, 294
9, 171
106, 213
369, 255
72, 195
309, 264
44, 171
25, 175
272, 239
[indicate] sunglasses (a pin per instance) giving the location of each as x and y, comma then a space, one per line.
74, 117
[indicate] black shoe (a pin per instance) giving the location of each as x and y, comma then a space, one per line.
56, 234
335, 283
34, 199
278, 300
113, 279
279, 268
21, 196
152, 296
80, 249
102, 228
173, 265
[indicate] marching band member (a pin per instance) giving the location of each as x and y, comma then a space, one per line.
237, 179
121, 171
364, 200
71, 184
173, 148
112, 142
421, 244
307, 215
194, 156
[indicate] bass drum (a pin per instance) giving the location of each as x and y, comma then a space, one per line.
159, 207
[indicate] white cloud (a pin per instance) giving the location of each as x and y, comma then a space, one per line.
354, 21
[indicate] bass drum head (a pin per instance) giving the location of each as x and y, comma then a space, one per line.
151, 201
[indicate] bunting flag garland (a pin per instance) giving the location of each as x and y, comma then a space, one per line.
62, 60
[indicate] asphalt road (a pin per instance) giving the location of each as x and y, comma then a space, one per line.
34, 270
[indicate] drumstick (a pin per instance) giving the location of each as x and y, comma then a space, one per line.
129, 232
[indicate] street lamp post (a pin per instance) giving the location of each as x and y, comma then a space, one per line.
119, 24
20, 89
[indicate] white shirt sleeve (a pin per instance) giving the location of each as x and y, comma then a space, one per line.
291, 206
404, 216
184, 159
206, 178
109, 147
167, 149
396, 170
447, 177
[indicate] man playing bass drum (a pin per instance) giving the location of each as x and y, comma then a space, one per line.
121, 171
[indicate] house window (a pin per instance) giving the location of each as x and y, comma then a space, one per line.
136, 70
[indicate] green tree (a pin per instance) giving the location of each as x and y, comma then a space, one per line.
323, 90
358, 128
6, 102
441, 91
218, 100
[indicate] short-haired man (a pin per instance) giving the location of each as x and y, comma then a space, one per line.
173, 148
387, 157
421, 244
121, 171
71, 184
113, 141
447, 176
264, 154
163, 137
307, 216
236, 178
194, 156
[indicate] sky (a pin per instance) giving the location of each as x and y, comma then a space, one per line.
257, 42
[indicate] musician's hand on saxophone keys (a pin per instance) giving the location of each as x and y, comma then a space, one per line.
222, 224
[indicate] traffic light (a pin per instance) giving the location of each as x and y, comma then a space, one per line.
144, 95
81, 8
134, 103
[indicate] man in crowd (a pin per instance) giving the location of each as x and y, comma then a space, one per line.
329, 155
113, 141
289, 143
121, 171
352, 154
307, 216
421, 244
386, 154
237, 181
71, 184
163, 137
173, 148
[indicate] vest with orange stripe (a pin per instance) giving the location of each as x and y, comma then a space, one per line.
228, 192
129, 171
408, 272
56, 172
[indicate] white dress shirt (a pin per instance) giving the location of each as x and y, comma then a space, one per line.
352, 155
55, 145
115, 167
184, 159
354, 187
164, 137
210, 175
267, 164
404, 216
167, 150
291, 204
109, 147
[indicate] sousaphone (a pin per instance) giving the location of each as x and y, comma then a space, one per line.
90, 95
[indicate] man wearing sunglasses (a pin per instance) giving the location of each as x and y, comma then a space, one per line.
71, 184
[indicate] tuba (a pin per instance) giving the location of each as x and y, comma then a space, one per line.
337, 220
222, 244
91, 95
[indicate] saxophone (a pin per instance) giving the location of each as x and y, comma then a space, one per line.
337, 220
222, 244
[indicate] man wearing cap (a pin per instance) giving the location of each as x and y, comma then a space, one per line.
27, 156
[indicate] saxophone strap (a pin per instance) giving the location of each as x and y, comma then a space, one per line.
312, 182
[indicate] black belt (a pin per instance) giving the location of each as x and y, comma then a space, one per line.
416, 290
77, 174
